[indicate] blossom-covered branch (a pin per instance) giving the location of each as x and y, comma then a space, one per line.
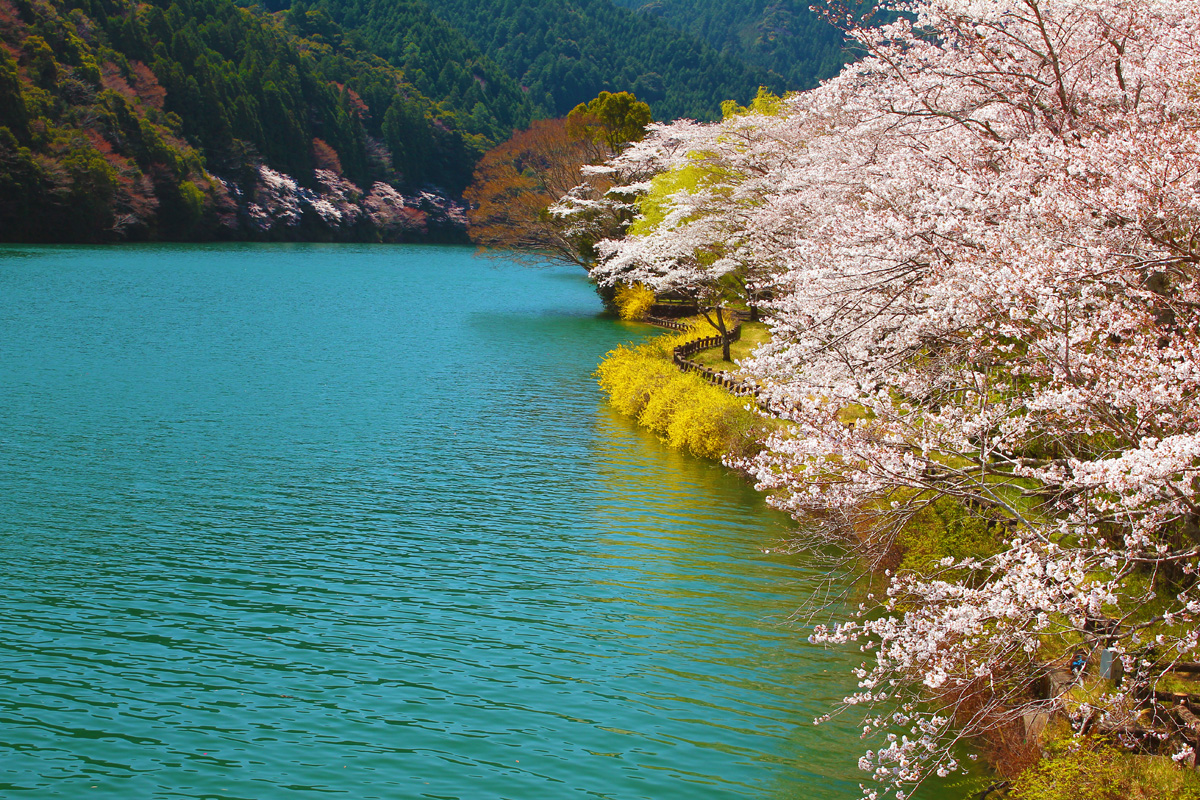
981, 248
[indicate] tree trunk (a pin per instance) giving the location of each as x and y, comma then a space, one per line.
724, 335
719, 324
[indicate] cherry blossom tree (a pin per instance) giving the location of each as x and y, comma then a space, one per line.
981, 243
694, 199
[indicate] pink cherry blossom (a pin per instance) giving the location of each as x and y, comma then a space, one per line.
980, 248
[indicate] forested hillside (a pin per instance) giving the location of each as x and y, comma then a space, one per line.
433, 56
189, 119
566, 51
785, 37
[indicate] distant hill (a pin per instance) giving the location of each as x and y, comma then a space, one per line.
783, 37
565, 52
333, 119
193, 119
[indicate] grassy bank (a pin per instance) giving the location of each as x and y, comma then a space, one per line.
753, 334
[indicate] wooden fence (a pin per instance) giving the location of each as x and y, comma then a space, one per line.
663, 322
726, 380
696, 345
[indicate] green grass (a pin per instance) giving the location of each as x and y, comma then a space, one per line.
753, 334
1091, 769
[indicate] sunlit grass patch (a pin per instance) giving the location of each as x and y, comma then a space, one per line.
753, 335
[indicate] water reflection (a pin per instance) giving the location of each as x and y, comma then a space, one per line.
692, 535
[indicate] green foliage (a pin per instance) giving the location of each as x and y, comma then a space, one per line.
614, 119
39, 61
566, 52
633, 302
22, 183
765, 102
946, 528
655, 204
1091, 770
1082, 775
13, 113
683, 409
192, 201
473, 92
89, 152
787, 39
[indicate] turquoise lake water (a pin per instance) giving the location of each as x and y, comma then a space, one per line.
339, 521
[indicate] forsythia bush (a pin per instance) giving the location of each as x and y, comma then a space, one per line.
684, 410
633, 301
664, 346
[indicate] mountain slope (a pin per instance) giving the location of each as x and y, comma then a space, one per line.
434, 56
784, 37
187, 119
564, 52
316, 119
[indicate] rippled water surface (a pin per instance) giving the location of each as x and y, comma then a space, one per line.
307, 521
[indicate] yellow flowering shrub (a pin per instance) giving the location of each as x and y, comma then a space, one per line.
683, 409
633, 302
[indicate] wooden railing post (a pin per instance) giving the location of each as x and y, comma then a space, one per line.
679, 357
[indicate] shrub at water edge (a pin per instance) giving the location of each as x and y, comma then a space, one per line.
684, 410
634, 301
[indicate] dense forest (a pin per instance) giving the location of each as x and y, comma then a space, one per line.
796, 46
567, 51
432, 55
346, 119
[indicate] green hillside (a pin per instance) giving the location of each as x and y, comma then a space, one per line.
435, 57
156, 120
782, 36
565, 52
312, 119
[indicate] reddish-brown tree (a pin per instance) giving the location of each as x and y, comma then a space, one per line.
517, 181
